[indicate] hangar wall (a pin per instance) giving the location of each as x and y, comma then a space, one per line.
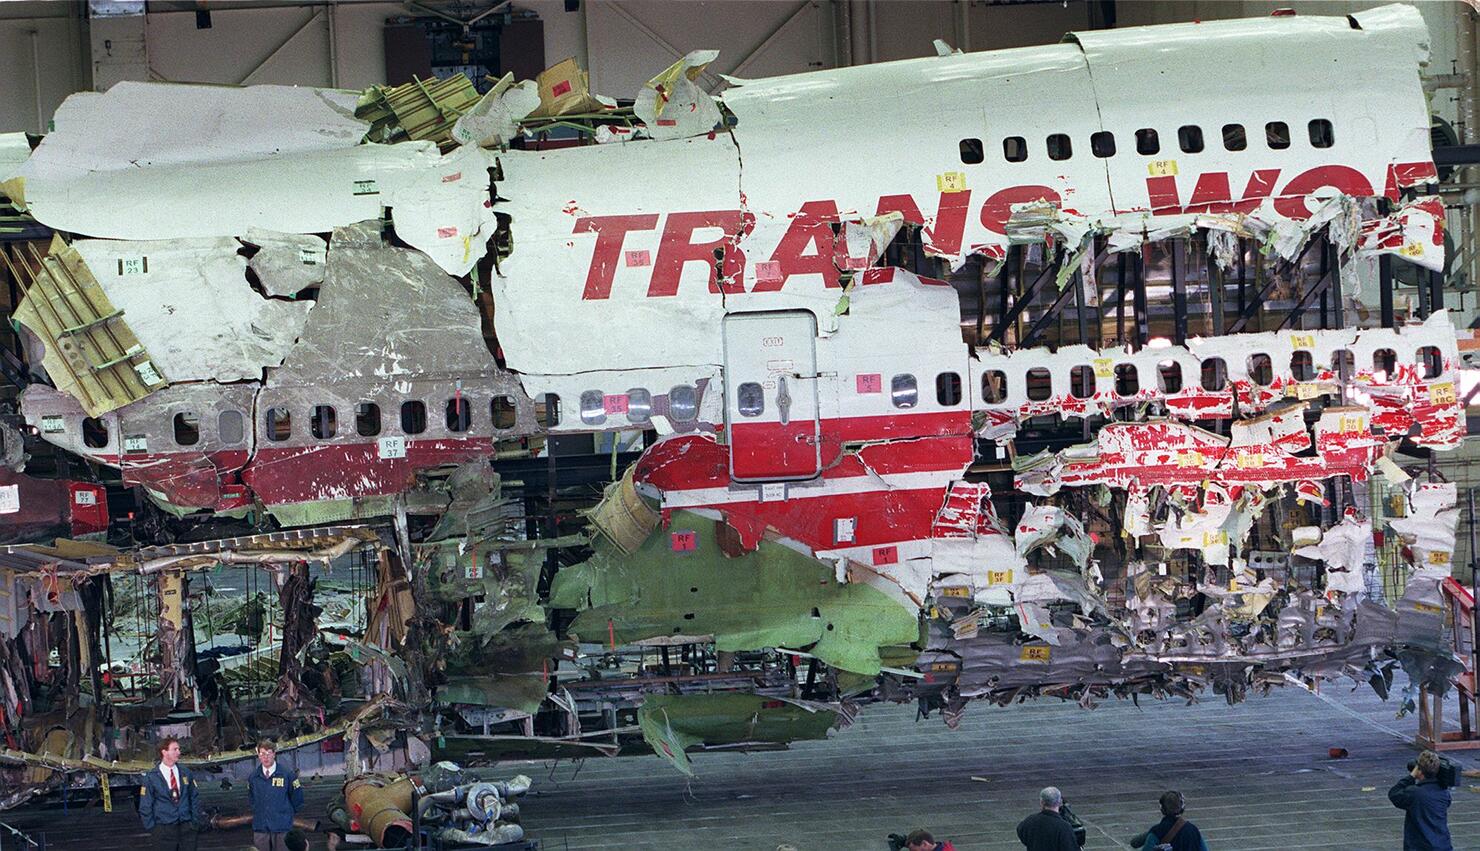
622, 43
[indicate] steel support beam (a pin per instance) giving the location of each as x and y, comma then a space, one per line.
1385, 289
1179, 292
1026, 298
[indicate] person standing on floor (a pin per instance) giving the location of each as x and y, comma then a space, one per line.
1174, 832
169, 802
1426, 802
1047, 830
275, 796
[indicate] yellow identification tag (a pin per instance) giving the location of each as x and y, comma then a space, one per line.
1162, 168
107, 795
1307, 390
1439, 557
955, 592
951, 181
1035, 653
999, 577
1104, 368
942, 666
1442, 393
1303, 341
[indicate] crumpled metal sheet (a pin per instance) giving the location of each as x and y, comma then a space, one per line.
672, 105
189, 303
286, 263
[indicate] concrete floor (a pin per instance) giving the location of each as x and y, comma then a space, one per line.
1256, 776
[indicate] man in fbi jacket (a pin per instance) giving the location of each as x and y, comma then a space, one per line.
169, 802
275, 796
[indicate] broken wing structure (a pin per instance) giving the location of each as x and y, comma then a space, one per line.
697, 433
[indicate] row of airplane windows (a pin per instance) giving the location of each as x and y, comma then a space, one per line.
1148, 143
324, 421
683, 402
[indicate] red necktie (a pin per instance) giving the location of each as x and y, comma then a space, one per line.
174, 786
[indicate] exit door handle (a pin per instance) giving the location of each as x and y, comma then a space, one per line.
783, 400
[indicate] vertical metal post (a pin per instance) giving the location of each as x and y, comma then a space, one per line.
1123, 266
1143, 322
1003, 294
1338, 311
1081, 307
1325, 268
1385, 289
1242, 269
1179, 292
1215, 293
1436, 290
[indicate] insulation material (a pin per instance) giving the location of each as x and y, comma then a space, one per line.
300, 159
91, 351
494, 120
672, 105
190, 304
1343, 548
1048, 526
286, 263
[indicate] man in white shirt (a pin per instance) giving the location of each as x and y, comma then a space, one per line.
275, 796
169, 802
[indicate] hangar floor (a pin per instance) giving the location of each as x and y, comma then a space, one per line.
1257, 776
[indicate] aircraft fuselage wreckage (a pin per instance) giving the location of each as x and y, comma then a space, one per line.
324, 375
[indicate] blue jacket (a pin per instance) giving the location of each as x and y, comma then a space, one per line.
1426, 827
158, 806
274, 800
1189, 838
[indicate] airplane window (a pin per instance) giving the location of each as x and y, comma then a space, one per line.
683, 403
1277, 135
593, 408
1082, 381
639, 405
187, 429
1344, 364
547, 410
1169, 376
324, 424
1234, 138
994, 387
948, 388
459, 414
367, 419
1432, 360
903, 391
751, 399
1261, 370
1039, 383
1302, 365
1214, 374
1384, 362
1015, 149
231, 428
279, 424
1102, 144
503, 412
1321, 134
1127, 380
971, 151
413, 417
1059, 147
94, 433
1190, 138
1147, 142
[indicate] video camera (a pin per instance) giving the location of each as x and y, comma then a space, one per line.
1448, 776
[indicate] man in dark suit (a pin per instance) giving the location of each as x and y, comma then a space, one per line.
169, 802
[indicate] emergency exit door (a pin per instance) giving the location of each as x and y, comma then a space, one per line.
771, 395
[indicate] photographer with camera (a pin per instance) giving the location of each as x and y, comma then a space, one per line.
1048, 829
1426, 800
